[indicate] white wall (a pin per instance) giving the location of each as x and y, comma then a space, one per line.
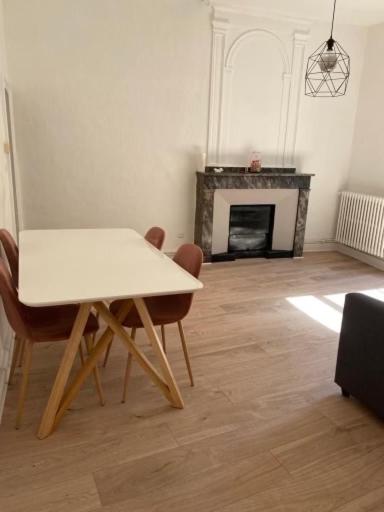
367, 161
7, 217
325, 135
111, 104
314, 134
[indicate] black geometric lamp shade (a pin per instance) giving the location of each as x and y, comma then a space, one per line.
328, 70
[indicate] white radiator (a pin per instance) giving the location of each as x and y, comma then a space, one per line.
361, 223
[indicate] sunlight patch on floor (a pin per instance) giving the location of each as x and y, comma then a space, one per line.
325, 314
338, 298
318, 310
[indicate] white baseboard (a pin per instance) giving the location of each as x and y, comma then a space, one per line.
329, 245
361, 256
320, 246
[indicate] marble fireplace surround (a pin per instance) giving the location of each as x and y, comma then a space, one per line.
239, 178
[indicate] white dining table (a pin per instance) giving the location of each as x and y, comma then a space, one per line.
92, 267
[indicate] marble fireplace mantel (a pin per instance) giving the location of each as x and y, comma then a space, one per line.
241, 178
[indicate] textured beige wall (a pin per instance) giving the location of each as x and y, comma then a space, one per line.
111, 101
367, 162
111, 105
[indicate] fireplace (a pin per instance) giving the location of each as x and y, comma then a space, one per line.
218, 189
250, 230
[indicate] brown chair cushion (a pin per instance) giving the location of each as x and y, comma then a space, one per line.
162, 310
55, 323
168, 309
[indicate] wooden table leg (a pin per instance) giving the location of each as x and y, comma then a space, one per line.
96, 352
66, 364
60, 401
114, 323
177, 400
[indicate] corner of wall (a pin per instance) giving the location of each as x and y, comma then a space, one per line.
356, 113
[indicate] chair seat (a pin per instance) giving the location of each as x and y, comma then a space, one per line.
55, 323
162, 310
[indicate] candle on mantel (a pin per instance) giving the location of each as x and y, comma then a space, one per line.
255, 164
203, 161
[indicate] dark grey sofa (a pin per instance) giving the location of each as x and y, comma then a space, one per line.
360, 359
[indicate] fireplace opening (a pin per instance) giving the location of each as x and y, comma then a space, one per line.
251, 230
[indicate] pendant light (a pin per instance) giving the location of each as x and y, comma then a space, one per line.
328, 68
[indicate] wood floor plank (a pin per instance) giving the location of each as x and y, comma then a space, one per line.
185, 481
359, 479
78, 494
265, 428
43, 463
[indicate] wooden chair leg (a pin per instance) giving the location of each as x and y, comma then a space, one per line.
81, 354
21, 356
185, 350
96, 375
15, 358
163, 337
128, 369
24, 383
107, 354
94, 334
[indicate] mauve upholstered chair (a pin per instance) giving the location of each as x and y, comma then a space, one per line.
155, 236
37, 325
12, 253
168, 309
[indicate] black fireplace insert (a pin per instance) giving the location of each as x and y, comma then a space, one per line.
250, 230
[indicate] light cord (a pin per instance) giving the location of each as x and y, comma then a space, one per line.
333, 18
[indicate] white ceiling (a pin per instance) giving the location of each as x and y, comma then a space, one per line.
356, 12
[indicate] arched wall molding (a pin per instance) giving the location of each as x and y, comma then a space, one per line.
227, 97
222, 65
219, 31
250, 34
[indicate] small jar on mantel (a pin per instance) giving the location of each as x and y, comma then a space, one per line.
255, 162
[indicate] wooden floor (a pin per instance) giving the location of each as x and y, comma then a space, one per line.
265, 428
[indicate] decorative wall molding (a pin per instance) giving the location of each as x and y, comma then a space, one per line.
227, 42
297, 84
250, 9
249, 34
219, 30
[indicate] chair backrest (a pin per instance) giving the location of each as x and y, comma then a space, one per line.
155, 236
12, 252
12, 306
190, 258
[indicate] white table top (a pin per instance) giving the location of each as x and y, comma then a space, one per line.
64, 266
